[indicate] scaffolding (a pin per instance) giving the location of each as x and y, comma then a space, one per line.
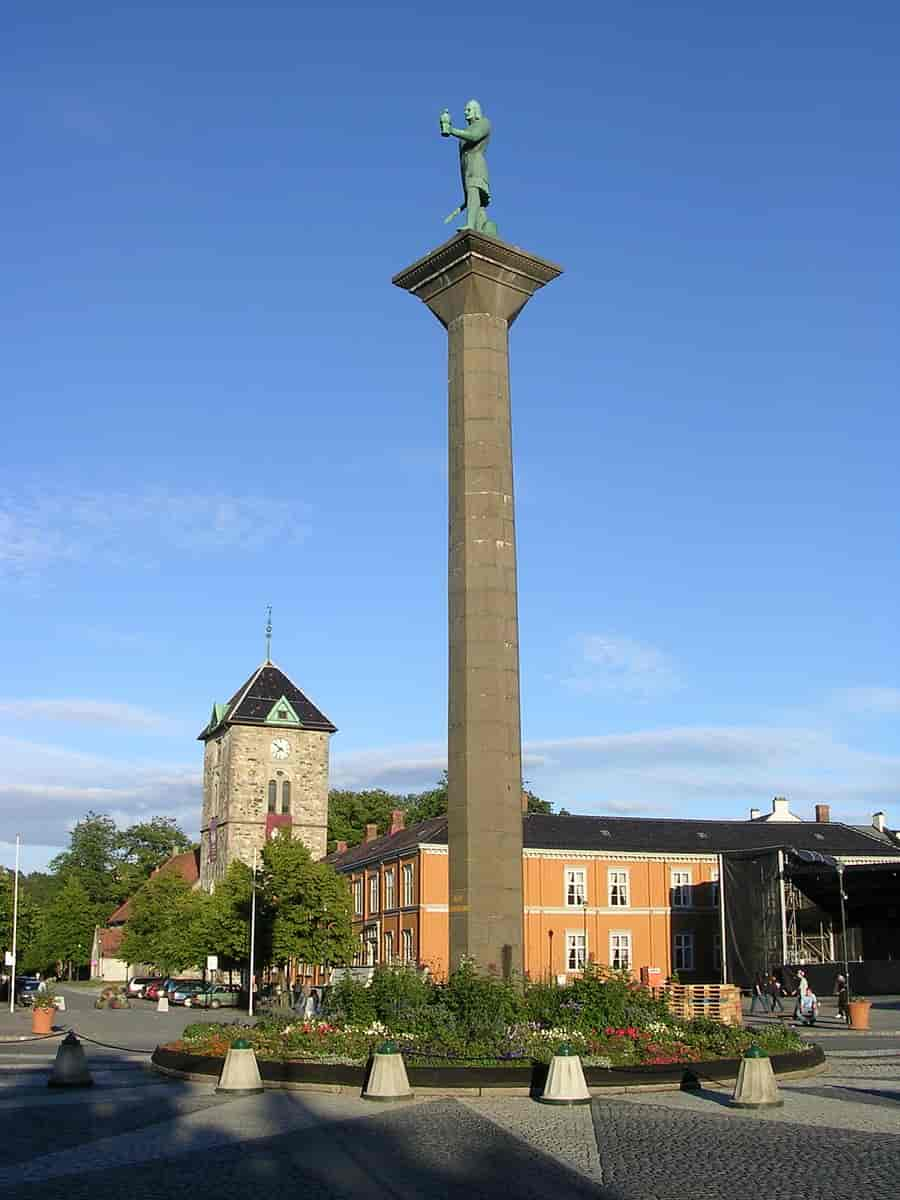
809, 932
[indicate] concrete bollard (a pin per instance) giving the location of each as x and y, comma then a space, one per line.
565, 1079
162, 1004
756, 1086
240, 1074
387, 1079
70, 1068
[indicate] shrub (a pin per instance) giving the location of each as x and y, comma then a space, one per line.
602, 997
482, 1006
544, 1005
350, 1002
398, 995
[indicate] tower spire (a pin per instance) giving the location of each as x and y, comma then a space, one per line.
268, 633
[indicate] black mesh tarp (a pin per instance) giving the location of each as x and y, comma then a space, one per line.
751, 898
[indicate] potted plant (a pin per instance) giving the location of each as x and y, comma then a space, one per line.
43, 1010
858, 1008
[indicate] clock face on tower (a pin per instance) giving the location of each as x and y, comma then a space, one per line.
281, 748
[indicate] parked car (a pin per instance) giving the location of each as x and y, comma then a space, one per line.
136, 985
153, 989
218, 995
185, 989
27, 987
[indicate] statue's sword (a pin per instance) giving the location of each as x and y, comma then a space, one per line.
455, 213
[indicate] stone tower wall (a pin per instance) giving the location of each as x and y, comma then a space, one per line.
238, 766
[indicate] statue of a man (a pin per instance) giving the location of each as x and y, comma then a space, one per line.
473, 168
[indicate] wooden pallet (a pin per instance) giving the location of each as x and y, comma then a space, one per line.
718, 1001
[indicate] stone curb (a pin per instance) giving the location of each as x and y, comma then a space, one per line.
343, 1089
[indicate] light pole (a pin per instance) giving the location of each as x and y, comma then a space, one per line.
252, 932
840, 875
15, 930
584, 912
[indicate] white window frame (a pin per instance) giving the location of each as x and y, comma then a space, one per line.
618, 877
407, 944
575, 887
576, 950
357, 897
682, 888
388, 888
388, 939
683, 949
370, 945
620, 949
409, 892
374, 894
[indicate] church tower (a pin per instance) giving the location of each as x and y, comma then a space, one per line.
265, 767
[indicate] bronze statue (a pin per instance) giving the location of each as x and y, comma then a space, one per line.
473, 168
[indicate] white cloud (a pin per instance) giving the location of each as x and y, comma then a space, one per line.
621, 664
869, 699
40, 529
85, 712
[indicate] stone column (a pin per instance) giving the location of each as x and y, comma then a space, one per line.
476, 286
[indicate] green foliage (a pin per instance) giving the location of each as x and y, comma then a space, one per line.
165, 926
143, 847
544, 1005
307, 908
91, 859
223, 925
398, 995
602, 997
66, 931
350, 1002
350, 812
29, 922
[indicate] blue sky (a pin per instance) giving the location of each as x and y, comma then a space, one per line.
213, 398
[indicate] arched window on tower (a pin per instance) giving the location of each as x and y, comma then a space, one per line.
286, 796
273, 795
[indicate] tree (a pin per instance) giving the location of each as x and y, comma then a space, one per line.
145, 846
28, 924
92, 859
350, 812
166, 924
224, 920
427, 804
306, 906
67, 927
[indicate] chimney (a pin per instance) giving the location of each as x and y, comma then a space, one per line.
371, 833
755, 814
878, 821
398, 821
823, 814
341, 847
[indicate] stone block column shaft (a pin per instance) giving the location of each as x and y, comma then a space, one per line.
476, 286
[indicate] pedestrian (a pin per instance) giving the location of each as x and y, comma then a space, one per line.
809, 1007
758, 994
843, 999
773, 990
801, 992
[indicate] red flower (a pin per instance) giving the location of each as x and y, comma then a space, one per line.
609, 1031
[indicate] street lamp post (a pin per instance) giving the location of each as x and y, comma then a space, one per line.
840, 875
584, 912
252, 933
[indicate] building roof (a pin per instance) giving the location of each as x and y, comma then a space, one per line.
254, 701
186, 864
648, 835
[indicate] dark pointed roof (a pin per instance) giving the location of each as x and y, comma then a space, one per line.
252, 703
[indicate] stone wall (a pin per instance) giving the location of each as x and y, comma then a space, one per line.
238, 766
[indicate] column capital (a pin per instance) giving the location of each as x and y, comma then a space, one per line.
476, 274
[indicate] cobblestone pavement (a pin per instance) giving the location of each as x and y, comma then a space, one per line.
136, 1134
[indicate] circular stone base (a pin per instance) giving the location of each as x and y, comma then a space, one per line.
563, 1103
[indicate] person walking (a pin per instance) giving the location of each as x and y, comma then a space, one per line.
802, 991
773, 991
758, 995
843, 999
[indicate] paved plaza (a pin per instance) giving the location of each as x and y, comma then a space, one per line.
137, 1134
